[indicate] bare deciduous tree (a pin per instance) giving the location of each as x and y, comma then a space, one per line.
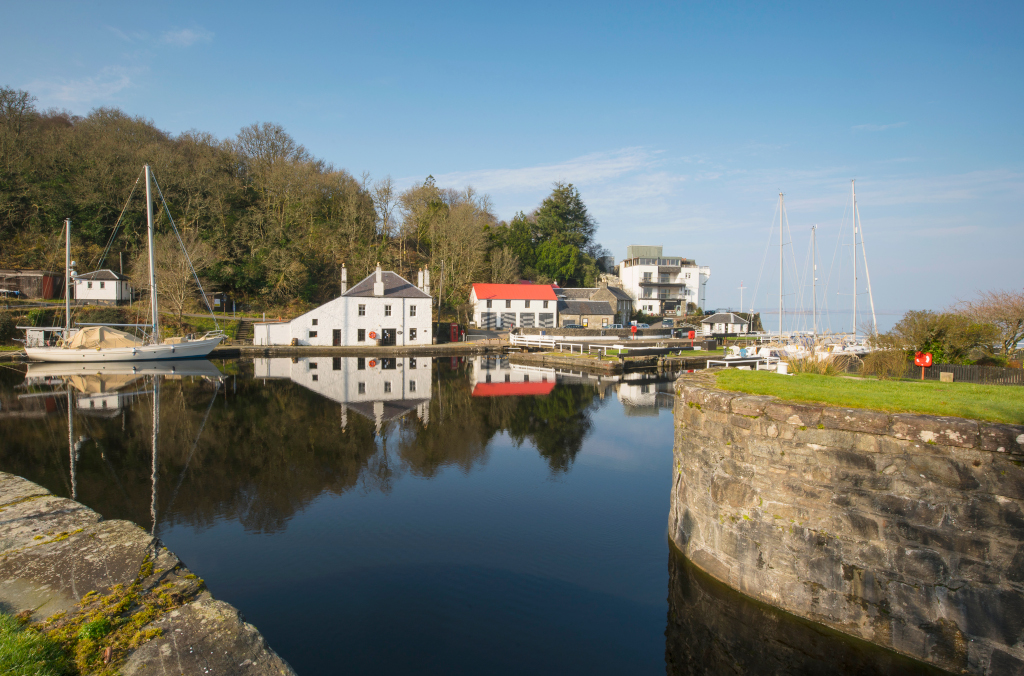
504, 266
1003, 309
176, 287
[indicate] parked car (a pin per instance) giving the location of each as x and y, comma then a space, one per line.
643, 326
614, 326
573, 326
666, 323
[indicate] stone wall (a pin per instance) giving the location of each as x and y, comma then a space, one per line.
58, 558
903, 530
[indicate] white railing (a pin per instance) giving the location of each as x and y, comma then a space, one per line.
572, 347
531, 341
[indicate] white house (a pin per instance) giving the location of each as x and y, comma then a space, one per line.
662, 285
383, 309
380, 389
502, 306
104, 287
724, 322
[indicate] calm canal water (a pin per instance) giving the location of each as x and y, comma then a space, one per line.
395, 516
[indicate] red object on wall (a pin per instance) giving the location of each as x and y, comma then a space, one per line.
373, 363
373, 335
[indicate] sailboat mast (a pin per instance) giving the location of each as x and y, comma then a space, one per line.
814, 278
781, 208
152, 265
867, 273
67, 279
853, 218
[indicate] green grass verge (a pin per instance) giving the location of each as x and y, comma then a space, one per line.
998, 403
26, 652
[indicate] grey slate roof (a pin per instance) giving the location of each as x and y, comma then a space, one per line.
105, 275
395, 286
576, 294
619, 293
725, 318
585, 307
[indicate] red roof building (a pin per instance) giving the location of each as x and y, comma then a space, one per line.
503, 306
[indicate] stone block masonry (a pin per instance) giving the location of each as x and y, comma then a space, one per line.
903, 530
58, 559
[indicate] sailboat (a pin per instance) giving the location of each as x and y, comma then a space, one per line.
103, 343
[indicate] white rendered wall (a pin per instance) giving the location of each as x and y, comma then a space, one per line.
108, 293
343, 314
498, 306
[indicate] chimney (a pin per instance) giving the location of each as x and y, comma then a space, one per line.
344, 279
378, 284
419, 279
426, 280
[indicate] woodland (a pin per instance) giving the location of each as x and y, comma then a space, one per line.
265, 220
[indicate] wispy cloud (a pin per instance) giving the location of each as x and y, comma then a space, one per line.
590, 168
877, 127
87, 90
128, 36
186, 37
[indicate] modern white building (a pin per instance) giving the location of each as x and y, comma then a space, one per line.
502, 306
662, 285
384, 309
380, 389
724, 323
104, 287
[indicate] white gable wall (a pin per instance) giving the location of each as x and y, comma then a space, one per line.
343, 314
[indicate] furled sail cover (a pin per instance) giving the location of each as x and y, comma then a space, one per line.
92, 337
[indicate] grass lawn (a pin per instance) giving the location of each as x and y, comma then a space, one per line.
24, 652
998, 403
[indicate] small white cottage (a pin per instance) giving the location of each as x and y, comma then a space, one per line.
104, 287
724, 323
384, 309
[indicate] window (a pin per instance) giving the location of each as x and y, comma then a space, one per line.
527, 303
647, 276
314, 322
664, 278
508, 378
361, 335
88, 285
648, 292
488, 304
526, 378
361, 363
362, 388
412, 334
387, 386
412, 362
687, 275
412, 385
387, 310
312, 365
488, 377
362, 310
312, 334
412, 310
545, 305
316, 377
586, 322
604, 322
336, 364
662, 293
103, 285
508, 304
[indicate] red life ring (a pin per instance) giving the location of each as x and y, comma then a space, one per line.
373, 363
373, 334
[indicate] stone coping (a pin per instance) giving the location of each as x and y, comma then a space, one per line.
56, 555
930, 429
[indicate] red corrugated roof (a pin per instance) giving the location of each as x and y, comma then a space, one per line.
514, 292
512, 389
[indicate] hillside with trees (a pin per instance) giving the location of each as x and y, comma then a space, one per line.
271, 222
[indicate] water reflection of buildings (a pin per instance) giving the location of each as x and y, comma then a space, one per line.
640, 393
378, 389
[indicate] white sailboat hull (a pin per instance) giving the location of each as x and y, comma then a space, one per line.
193, 349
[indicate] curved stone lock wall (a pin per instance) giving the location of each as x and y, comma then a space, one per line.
904, 530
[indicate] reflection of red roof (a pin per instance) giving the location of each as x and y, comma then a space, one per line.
514, 292
512, 389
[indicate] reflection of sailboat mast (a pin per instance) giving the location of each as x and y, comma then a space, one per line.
72, 448
156, 430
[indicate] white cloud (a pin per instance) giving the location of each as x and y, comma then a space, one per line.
186, 37
877, 127
83, 91
128, 36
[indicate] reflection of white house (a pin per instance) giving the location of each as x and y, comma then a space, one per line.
379, 389
502, 306
383, 309
104, 287
724, 322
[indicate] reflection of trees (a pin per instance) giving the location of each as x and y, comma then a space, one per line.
268, 451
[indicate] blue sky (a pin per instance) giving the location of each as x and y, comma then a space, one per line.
680, 122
